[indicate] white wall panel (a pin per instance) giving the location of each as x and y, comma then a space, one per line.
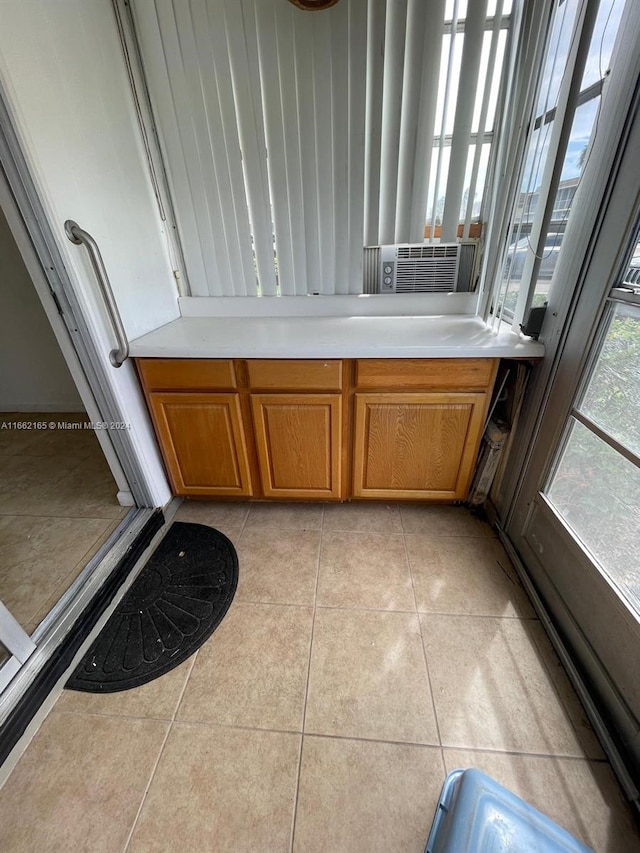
66, 85
63, 68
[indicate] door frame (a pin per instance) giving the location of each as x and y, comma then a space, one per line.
594, 252
603, 211
608, 250
34, 235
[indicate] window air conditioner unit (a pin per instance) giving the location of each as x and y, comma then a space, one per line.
419, 268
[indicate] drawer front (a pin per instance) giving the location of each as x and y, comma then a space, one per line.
187, 374
292, 375
427, 373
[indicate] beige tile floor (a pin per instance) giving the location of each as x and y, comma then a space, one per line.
57, 506
369, 650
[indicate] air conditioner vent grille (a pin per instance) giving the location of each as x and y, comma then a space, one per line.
419, 268
417, 278
435, 251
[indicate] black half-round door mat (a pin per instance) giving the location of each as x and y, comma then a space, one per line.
174, 605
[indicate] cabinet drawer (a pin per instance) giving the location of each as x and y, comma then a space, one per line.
187, 374
291, 375
444, 373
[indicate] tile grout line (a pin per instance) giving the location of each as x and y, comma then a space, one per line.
184, 687
424, 651
160, 753
348, 737
359, 607
306, 692
244, 523
548, 756
147, 786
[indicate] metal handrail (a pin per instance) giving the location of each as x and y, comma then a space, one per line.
78, 235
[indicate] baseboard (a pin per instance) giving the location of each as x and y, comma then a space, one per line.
596, 718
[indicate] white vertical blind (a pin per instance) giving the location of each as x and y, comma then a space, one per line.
293, 139
419, 99
482, 121
260, 107
373, 118
394, 45
404, 47
276, 77
245, 71
443, 117
470, 66
430, 110
356, 106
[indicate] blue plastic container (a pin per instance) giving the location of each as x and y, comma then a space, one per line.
477, 815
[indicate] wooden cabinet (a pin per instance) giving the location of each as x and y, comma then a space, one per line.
299, 444
203, 442
418, 425
416, 445
278, 435
320, 430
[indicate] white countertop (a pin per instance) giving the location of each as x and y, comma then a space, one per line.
447, 336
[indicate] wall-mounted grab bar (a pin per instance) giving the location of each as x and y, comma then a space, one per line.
78, 235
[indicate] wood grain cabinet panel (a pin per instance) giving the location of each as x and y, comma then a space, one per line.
299, 444
444, 374
203, 443
187, 374
416, 445
295, 374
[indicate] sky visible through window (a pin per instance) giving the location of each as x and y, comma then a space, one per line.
585, 123
598, 62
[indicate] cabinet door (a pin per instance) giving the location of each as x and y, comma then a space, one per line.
203, 443
416, 445
299, 444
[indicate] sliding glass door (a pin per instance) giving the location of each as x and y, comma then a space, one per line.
594, 486
576, 521
15, 646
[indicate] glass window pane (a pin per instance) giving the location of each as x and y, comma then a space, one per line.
493, 85
520, 244
577, 151
442, 184
557, 55
582, 128
488, 80
612, 397
478, 190
495, 80
448, 116
492, 5
597, 492
604, 36
462, 9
